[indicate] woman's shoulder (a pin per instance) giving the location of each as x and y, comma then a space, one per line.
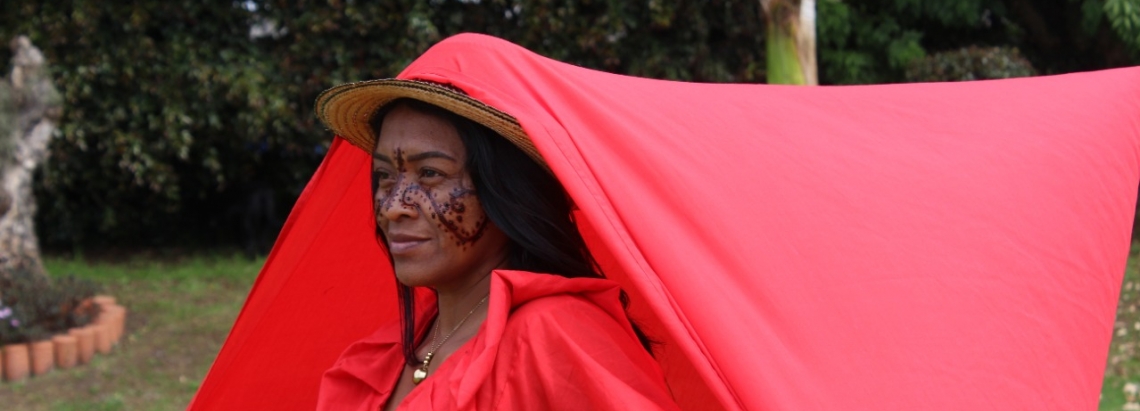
559, 305
558, 308
579, 347
542, 295
564, 308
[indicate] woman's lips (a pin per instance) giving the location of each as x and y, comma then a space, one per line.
402, 243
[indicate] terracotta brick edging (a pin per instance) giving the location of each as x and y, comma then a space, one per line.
68, 349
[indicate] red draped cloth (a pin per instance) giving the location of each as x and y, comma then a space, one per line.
575, 327
923, 246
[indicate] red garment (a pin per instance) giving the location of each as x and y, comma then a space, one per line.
549, 343
922, 246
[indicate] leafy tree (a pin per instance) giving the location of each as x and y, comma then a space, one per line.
877, 41
970, 63
1123, 15
163, 102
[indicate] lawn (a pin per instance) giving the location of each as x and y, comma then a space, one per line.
181, 309
1123, 364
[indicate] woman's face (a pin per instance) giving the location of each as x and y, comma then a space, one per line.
426, 205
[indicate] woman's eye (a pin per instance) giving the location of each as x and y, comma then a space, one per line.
429, 173
381, 179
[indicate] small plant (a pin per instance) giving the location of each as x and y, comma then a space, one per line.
33, 309
20, 324
74, 302
13, 324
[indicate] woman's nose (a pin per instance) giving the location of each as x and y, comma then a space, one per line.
397, 202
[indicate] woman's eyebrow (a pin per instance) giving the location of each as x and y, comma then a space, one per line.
381, 157
431, 154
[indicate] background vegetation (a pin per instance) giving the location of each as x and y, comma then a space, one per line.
176, 110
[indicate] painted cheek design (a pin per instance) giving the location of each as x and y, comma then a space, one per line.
456, 212
451, 212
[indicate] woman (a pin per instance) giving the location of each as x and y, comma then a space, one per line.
519, 317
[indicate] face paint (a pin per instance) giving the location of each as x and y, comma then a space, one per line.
426, 204
447, 209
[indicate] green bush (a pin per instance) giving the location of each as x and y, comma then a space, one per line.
971, 63
33, 309
172, 109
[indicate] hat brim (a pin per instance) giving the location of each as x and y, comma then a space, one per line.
347, 110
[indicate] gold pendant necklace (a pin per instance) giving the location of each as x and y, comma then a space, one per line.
420, 373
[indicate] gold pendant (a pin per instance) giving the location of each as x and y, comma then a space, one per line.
420, 373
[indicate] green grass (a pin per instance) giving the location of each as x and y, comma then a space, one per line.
179, 312
1123, 362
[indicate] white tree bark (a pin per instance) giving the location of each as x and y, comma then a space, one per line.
33, 105
805, 42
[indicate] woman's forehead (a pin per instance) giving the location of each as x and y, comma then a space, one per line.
411, 132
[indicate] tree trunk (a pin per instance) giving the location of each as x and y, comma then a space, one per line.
29, 108
791, 41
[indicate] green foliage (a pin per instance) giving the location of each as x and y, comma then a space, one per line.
171, 108
332, 43
1124, 16
971, 63
858, 44
877, 41
162, 102
1092, 14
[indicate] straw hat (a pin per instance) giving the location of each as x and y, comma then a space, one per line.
347, 110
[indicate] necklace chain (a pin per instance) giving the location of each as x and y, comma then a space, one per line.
421, 373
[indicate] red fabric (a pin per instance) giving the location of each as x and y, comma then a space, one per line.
933, 246
576, 328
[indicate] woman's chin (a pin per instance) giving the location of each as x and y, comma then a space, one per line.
411, 276
410, 282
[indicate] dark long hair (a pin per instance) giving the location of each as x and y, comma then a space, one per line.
522, 199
